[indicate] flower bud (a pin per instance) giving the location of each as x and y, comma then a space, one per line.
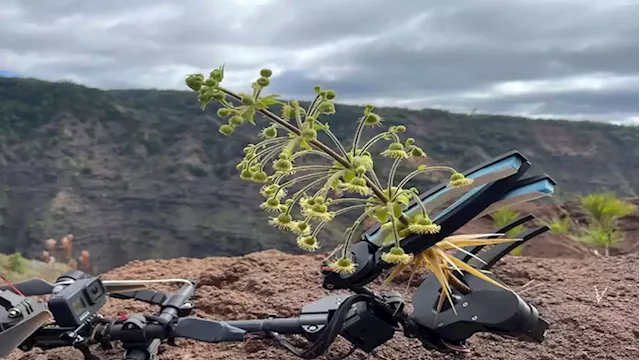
270, 132
319, 208
410, 141
372, 119
219, 95
309, 134
317, 89
247, 100
226, 129
285, 218
330, 94
266, 73
194, 81
236, 120
401, 128
263, 81
223, 112
246, 174
260, 176
303, 227
210, 82
283, 165
361, 170
417, 152
327, 108
216, 75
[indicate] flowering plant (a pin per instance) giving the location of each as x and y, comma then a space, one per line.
297, 133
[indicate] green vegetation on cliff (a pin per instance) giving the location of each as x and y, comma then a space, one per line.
143, 173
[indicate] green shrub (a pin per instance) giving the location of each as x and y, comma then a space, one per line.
17, 263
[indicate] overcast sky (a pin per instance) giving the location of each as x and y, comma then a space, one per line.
575, 59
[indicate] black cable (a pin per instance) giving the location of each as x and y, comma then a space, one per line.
329, 333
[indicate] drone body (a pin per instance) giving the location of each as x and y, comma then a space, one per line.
365, 318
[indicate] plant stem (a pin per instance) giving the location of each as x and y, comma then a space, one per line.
419, 202
312, 152
338, 201
266, 158
374, 139
266, 142
394, 229
354, 227
312, 167
266, 150
301, 192
417, 172
356, 137
337, 142
374, 176
303, 177
392, 174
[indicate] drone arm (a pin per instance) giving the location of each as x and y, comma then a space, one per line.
31, 287
281, 325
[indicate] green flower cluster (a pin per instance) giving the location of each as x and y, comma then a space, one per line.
304, 198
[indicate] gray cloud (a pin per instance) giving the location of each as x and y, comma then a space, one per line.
564, 58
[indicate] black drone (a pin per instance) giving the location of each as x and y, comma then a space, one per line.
365, 318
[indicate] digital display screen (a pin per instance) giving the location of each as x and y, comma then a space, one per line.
78, 306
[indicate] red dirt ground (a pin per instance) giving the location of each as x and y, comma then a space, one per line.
274, 283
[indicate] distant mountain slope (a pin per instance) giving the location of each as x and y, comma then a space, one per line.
143, 174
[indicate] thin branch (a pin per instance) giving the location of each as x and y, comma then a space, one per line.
337, 142
356, 137
353, 229
415, 173
303, 177
392, 173
375, 139
312, 152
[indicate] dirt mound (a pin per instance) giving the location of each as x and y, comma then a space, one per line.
274, 283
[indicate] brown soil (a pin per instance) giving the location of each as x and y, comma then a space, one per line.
274, 283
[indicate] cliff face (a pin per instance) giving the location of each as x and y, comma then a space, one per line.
145, 174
